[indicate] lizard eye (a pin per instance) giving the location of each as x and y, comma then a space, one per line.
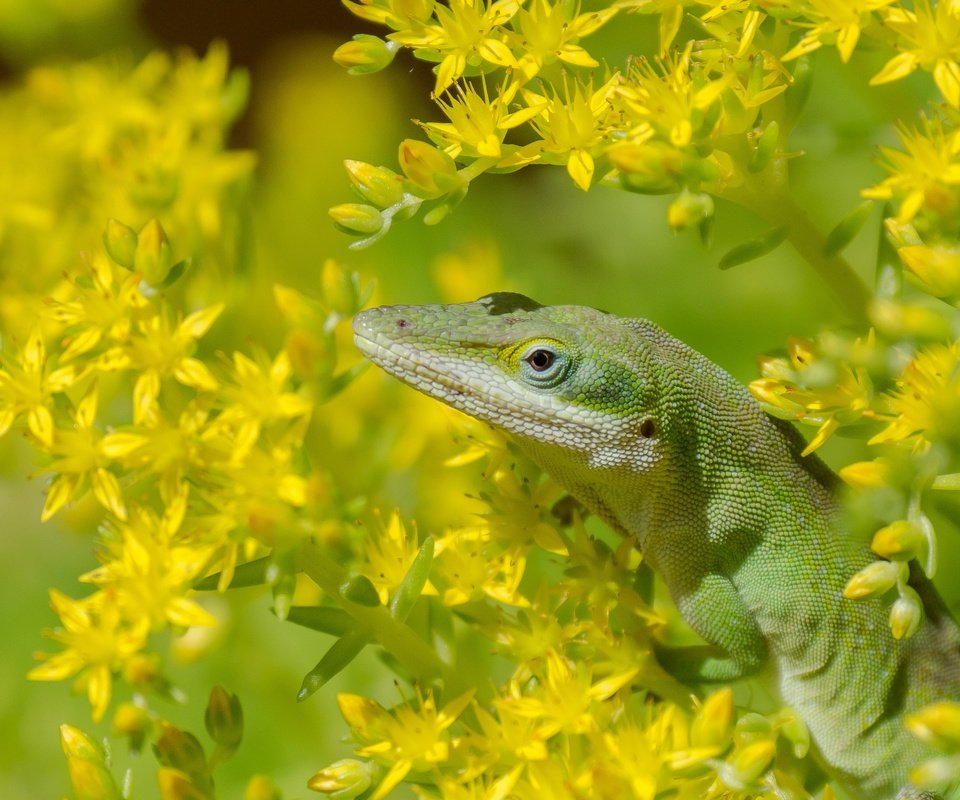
541, 359
543, 366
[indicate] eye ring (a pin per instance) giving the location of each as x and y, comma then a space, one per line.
541, 359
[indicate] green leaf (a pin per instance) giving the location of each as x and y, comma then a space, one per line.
755, 248
797, 95
360, 590
889, 274
283, 588
175, 273
252, 573
411, 587
340, 654
766, 147
844, 231
326, 619
949, 483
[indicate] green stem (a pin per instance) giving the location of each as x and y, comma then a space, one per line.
775, 205
834, 269
395, 637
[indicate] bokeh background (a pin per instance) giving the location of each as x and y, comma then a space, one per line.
532, 232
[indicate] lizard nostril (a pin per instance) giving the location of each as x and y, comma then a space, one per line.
402, 323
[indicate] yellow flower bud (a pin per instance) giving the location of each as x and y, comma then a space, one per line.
260, 787
85, 762
154, 256
91, 781
343, 779
365, 54
689, 209
866, 474
747, 764
120, 242
937, 724
936, 773
936, 268
377, 185
356, 218
713, 725
873, 580
224, 720
77, 744
906, 613
899, 541
431, 171
130, 719
648, 168
177, 785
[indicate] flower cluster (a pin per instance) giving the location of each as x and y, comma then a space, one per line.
135, 142
571, 719
709, 118
198, 472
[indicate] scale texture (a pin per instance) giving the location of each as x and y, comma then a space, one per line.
667, 447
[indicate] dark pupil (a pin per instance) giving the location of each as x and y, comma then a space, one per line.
540, 359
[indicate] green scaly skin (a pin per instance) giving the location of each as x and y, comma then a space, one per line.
667, 447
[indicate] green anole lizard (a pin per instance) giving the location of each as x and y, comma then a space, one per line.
667, 447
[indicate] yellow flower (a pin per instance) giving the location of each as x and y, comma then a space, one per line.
519, 513
390, 552
405, 737
27, 386
166, 450
398, 14
836, 22
925, 407
565, 698
668, 100
477, 124
509, 734
929, 39
257, 395
925, 174
98, 310
79, 459
464, 34
151, 567
159, 348
571, 128
549, 33
98, 642
472, 569
815, 391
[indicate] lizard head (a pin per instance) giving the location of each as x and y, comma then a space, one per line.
570, 383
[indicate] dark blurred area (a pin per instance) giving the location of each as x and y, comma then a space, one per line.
252, 28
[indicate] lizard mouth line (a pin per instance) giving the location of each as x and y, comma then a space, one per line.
402, 363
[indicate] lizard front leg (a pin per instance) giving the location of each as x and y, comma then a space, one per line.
712, 607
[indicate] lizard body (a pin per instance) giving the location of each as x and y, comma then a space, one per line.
667, 447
